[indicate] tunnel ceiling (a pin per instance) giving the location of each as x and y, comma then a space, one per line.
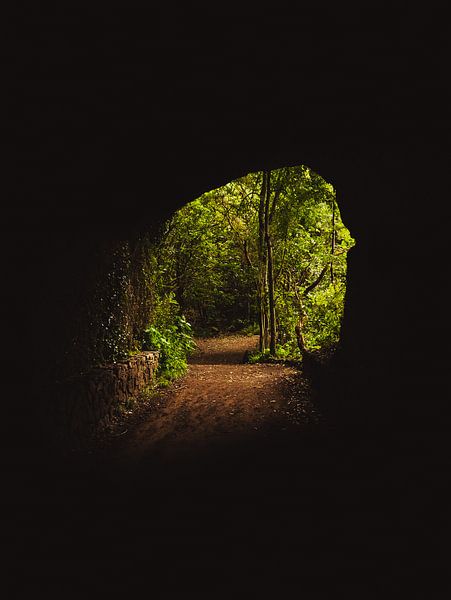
138, 112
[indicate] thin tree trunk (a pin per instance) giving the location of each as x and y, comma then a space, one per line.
272, 308
262, 269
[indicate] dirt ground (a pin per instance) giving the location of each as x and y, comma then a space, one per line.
221, 399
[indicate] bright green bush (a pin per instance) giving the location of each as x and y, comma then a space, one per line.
174, 343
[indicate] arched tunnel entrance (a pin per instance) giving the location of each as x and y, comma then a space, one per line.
255, 502
263, 256
247, 283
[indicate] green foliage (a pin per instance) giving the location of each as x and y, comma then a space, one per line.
205, 270
210, 252
283, 353
174, 343
257, 357
124, 307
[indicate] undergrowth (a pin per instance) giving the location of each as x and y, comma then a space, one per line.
174, 342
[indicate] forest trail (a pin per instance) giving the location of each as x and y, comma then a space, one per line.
221, 400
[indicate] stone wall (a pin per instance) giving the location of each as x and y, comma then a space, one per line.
86, 405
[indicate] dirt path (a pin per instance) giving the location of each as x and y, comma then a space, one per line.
268, 492
219, 401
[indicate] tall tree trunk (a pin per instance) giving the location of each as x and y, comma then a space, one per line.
272, 306
262, 269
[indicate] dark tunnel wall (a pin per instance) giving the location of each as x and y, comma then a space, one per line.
113, 130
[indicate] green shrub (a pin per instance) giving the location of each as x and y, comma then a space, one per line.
174, 343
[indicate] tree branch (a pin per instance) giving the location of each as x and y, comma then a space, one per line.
317, 281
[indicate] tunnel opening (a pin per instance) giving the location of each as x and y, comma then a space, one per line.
259, 265
263, 255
